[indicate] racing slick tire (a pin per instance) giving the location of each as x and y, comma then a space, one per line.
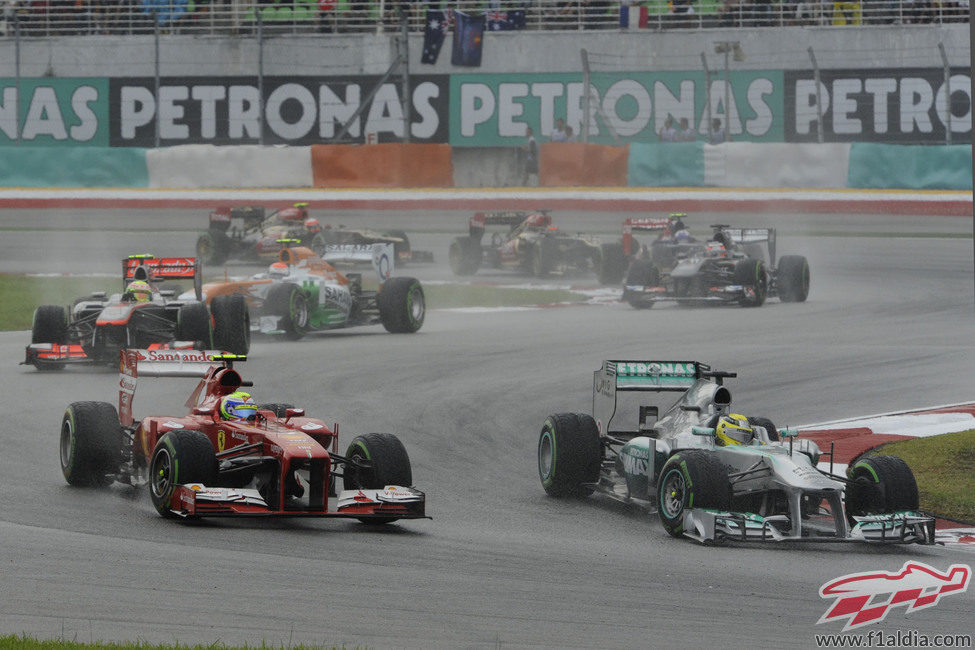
193, 324
50, 325
90, 444
750, 274
278, 408
569, 455
612, 263
180, 457
690, 478
543, 257
643, 273
390, 466
464, 255
765, 423
231, 323
880, 485
792, 278
289, 302
402, 305
213, 247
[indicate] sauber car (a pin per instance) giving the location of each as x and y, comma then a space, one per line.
99, 325
312, 295
278, 463
734, 265
763, 489
530, 244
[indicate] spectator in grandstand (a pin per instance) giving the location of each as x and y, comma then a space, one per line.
596, 14
570, 135
718, 134
529, 157
685, 133
558, 133
668, 133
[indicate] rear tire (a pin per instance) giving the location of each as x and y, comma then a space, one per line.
690, 479
569, 455
750, 273
213, 247
390, 466
792, 278
402, 305
464, 256
544, 257
90, 444
231, 323
180, 457
642, 273
288, 302
880, 485
193, 324
612, 263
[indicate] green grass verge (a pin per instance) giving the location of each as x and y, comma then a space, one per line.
20, 295
22, 642
944, 467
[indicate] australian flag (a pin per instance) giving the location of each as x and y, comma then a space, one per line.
504, 21
468, 39
433, 35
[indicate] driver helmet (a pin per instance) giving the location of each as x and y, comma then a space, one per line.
733, 429
278, 270
538, 221
677, 220
139, 290
238, 406
682, 235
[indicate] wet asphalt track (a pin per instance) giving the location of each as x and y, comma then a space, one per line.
889, 325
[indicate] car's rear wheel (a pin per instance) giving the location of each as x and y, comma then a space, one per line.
377, 460
690, 479
90, 444
193, 324
750, 274
792, 278
181, 457
213, 247
402, 305
231, 323
880, 485
642, 273
464, 256
612, 263
569, 455
288, 302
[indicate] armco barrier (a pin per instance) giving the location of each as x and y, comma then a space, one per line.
568, 164
73, 167
672, 164
382, 165
911, 167
202, 165
750, 164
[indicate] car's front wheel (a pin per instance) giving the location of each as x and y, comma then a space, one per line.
375, 461
180, 457
690, 479
880, 485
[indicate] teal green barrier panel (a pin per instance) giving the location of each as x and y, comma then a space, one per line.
73, 167
910, 167
666, 164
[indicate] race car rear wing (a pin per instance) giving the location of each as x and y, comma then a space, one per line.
150, 269
641, 224
751, 236
222, 216
165, 363
381, 256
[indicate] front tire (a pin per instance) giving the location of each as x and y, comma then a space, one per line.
569, 455
386, 463
880, 485
50, 325
193, 324
232, 323
90, 444
750, 273
642, 273
765, 423
792, 278
213, 247
690, 479
180, 457
402, 305
288, 302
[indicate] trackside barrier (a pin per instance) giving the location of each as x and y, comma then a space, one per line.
914, 167
676, 164
382, 165
568, 164
752, 164
73, 167
202, 165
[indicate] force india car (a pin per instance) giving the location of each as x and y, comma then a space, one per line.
314, 296
727, 268
767, 490
531, 245
281, 463
99, 325
249, 233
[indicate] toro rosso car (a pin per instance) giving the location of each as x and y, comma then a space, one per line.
527, 242
735, 265
99, 325
304, 293
277, 463
713, 475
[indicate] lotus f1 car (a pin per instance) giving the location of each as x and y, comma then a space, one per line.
736, 265
311, 295
99, 325
765, 489
281, 463
531, 245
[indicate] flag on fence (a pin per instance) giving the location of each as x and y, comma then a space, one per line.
633, 16
433, 35
505, 21
468, 39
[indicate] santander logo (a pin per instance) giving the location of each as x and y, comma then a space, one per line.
864, 598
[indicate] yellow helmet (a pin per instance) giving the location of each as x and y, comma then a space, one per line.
733, 429
140, 291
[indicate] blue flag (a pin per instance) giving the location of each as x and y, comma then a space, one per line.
468, 39
433, 35
505, 21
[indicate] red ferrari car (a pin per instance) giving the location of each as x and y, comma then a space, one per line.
279, 463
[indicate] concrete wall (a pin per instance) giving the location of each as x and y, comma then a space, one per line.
340, 54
